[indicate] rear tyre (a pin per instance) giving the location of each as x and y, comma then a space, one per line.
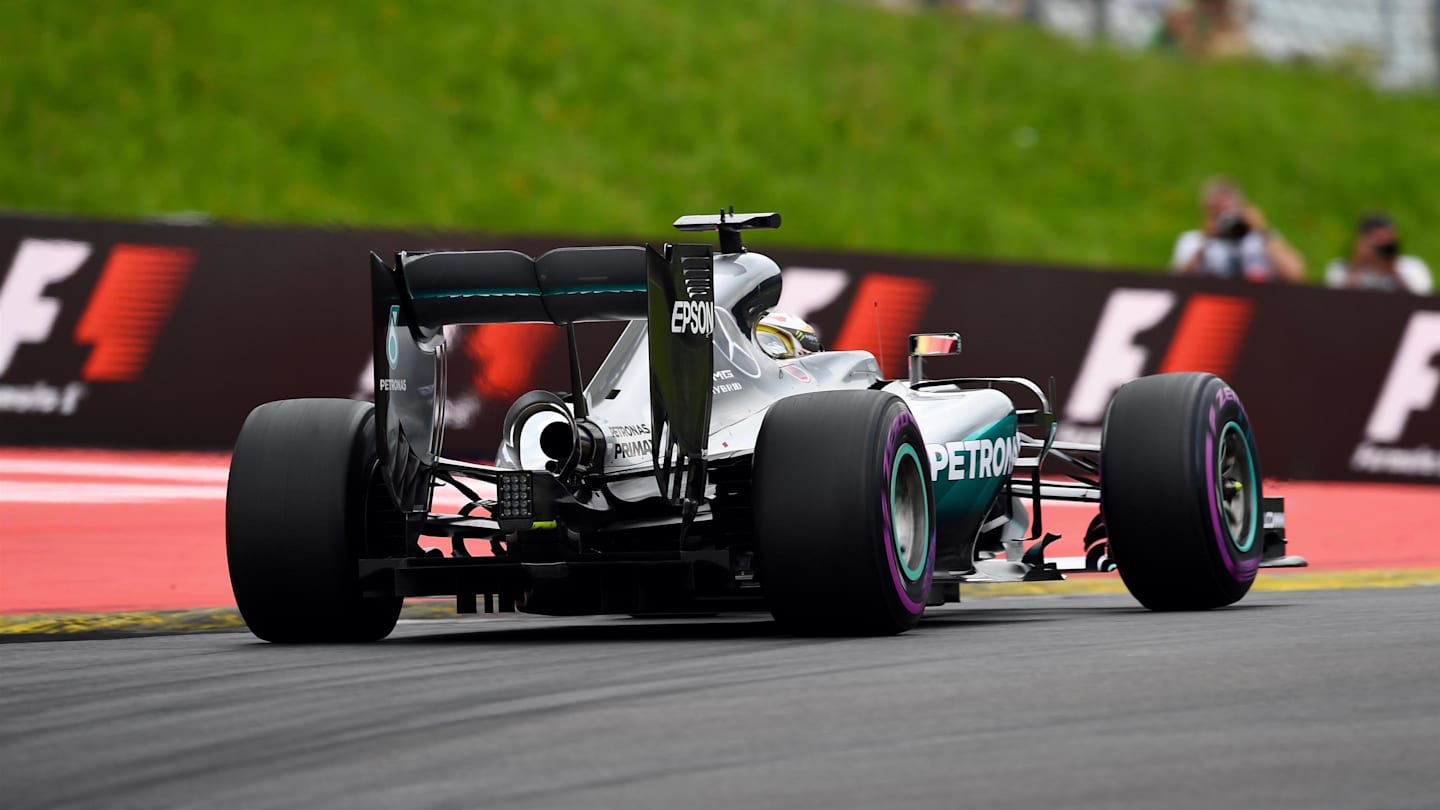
844, 514
1180, 492
304, 504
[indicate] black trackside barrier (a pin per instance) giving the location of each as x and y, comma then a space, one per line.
117, 334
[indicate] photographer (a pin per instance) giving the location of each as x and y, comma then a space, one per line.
1213, 28
1235, 242
1375, 262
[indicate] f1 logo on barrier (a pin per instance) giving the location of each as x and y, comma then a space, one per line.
1410, 388
130, 303
26, 314
1208, 337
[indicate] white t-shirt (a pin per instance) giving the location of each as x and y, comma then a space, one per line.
1411, 275
1223, 258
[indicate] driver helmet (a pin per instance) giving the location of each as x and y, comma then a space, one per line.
783, 336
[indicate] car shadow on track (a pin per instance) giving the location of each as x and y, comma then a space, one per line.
542, 630
970, 615
758, 626
749, 627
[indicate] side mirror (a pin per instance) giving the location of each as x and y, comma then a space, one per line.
931, 344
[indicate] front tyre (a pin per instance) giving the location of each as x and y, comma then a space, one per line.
304, 504
1180, 492
844, 514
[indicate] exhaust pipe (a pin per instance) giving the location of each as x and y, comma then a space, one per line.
570, 443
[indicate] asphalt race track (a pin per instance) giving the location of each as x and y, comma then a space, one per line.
1309, 699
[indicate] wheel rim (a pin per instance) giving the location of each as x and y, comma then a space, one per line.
909, 513
1237, 488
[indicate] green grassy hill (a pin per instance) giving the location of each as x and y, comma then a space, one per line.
919, 132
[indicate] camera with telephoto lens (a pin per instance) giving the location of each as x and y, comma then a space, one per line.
1231, 227
1388, 250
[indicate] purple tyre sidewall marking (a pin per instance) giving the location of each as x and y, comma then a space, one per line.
892, 446
1241, 570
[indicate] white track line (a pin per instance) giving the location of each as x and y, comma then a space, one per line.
90, 493
181, 482
108, 469
82, 492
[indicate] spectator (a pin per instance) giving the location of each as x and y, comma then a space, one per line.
1375, 262
1235, 242
1206, 28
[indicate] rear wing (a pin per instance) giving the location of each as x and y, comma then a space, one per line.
564, 286
672, 289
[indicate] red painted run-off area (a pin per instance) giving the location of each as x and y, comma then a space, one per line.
101, 531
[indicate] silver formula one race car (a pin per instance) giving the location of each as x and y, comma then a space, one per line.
703, 470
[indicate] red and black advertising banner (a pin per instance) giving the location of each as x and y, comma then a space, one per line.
165, 336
